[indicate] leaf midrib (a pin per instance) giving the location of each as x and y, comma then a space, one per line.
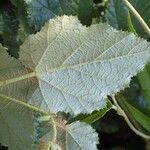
37, 74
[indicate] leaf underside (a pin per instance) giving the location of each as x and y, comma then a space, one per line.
77, 67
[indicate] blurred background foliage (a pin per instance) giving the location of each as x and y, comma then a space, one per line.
19, 18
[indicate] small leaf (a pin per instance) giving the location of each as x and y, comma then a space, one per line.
78, 135
73, 136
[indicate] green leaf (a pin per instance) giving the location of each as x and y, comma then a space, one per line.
41, 11
94, 116
117, 14
9, 26
130, 25
143, 9
77, 67
22, 17
85, 11
140, 117
144, 79
1, 24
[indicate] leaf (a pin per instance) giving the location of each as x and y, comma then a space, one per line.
140, 117
1, 24
11, 68
124, 21
7, 63
21, 13
130, 25
117, 13
8, 31
143, 9
144, 79
16, 127
77, 67
41, 11
16, 122
85, 11
73, 136
94, 116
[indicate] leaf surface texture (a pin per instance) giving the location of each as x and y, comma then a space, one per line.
77, 67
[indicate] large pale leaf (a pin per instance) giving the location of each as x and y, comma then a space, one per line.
16, 122
77, 67
69, 137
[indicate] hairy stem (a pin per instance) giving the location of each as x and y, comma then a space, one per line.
51, 121
137, 15
123, 114
54, 138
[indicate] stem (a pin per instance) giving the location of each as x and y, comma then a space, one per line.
137, 15
13, 80
52, 121
122, 113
